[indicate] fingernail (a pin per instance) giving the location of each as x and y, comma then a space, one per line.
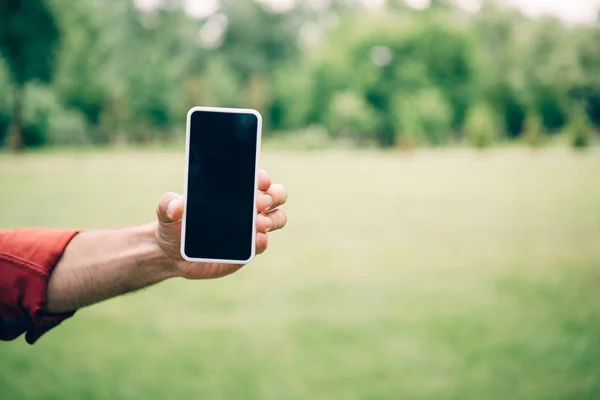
269, 201
268, 222
171, 208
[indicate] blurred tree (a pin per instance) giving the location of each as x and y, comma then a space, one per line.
255, 42
499, 66
349, 116
533, 136
130, 71
255, 39
580, 130
481, 128
29, 38
151, 69
381, 58
447, 52
587, 89
49, 122
5, 103
151, 101
550, 67
81, 80
292, 93
423, 118
222, 86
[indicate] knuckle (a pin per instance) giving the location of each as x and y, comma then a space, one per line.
279, 219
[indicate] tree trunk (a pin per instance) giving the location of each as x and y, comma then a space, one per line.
16, 129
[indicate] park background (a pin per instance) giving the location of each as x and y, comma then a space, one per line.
443, 166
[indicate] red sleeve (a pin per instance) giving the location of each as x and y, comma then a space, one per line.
27, 257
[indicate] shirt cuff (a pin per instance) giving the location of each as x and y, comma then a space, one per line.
27, 258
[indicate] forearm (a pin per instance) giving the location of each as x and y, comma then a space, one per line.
99, 265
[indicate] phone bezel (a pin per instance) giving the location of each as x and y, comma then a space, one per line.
185, 186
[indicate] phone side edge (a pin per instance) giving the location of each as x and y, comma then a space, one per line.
185, 182
256, 177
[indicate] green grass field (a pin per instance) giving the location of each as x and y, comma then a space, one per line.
437, 275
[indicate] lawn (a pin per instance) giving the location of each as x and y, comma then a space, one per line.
436, 275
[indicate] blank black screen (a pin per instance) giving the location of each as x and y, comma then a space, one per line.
220, 187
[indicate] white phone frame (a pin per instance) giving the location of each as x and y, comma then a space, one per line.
185, 185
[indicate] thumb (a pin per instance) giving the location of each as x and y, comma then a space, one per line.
170, 207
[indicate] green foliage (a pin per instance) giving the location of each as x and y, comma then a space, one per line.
34, 135
150, 106
481, 127
41, 108
501, 65
534, 135
389, 75
221, 85
68, 128
38, 111
388, 58
81, 82
446, 51
580, 131
47, 122
423, 118
292, 95
351, 116
256, 39
4, 126
5, 103
588, 89
550, 67
28, 40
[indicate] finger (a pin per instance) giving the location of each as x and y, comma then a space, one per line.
279, 195
170, 207
278, 219
263, 202
263, 223
264, 180
262, 242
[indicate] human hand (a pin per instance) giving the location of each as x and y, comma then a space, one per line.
168, 233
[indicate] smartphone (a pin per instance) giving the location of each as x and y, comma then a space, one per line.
221, 184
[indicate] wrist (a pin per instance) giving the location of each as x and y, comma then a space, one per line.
98, 265
152, 256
